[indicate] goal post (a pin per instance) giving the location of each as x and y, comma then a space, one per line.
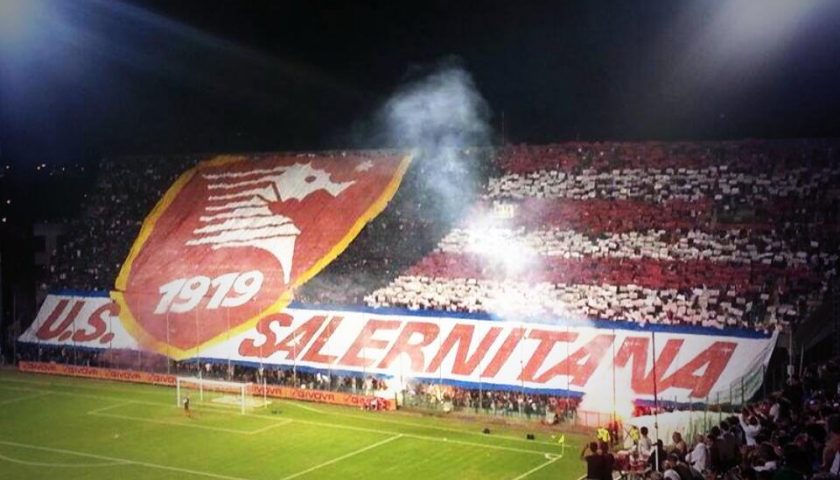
222, 393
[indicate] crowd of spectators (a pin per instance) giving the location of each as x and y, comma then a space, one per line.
684, 306
657, 185
731, 246
685, 233
98, 240
792, 434
548, 409
748, 155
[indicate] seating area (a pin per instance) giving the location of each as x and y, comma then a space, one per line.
684, 233
547, 409
748, 155
793, 433
99, 240
658, 185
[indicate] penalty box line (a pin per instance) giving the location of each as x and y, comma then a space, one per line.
343, 457
109, 407
58, 391
122, 461
116, 386
22, 398
100, 412
29, 463
537, 468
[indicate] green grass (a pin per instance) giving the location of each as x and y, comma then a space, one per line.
73, 428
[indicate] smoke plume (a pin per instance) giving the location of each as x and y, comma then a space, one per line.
442, 118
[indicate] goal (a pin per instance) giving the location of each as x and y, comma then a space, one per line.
206, 391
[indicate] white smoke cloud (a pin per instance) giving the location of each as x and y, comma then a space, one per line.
442, 118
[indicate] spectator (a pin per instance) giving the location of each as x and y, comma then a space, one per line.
669, 470
645, 444
698, 458
681, 468
657, 457
595, 462
831, 452
795, 466
750, 426
678, 447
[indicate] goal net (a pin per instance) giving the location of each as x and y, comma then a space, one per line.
216, 392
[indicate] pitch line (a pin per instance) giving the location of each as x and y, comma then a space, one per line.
538, 467
109, 407
20, 399
418, 437
99, 385
172, 424
323, 424
61, 465
435, 427
100, 413
76, 394
345, 456
475, 444
304, 407
278, 423
123, 461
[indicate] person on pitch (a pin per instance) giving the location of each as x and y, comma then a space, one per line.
187, 406
603, 435
634, 435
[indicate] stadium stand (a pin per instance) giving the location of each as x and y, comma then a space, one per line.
712, 234
723, 234
99, 240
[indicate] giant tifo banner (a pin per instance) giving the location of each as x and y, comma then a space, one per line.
233, 237
691, 363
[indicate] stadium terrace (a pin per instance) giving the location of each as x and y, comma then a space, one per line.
586, 284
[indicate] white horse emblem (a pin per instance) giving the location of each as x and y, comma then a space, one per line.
243, 209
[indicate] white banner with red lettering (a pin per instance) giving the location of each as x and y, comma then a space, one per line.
613, 358
81, 321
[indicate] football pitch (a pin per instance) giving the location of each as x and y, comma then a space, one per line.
71, 428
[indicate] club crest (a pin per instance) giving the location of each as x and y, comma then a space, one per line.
233, 237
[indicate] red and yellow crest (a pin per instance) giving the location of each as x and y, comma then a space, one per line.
234, 236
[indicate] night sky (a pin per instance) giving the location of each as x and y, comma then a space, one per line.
85, 79
82, 79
